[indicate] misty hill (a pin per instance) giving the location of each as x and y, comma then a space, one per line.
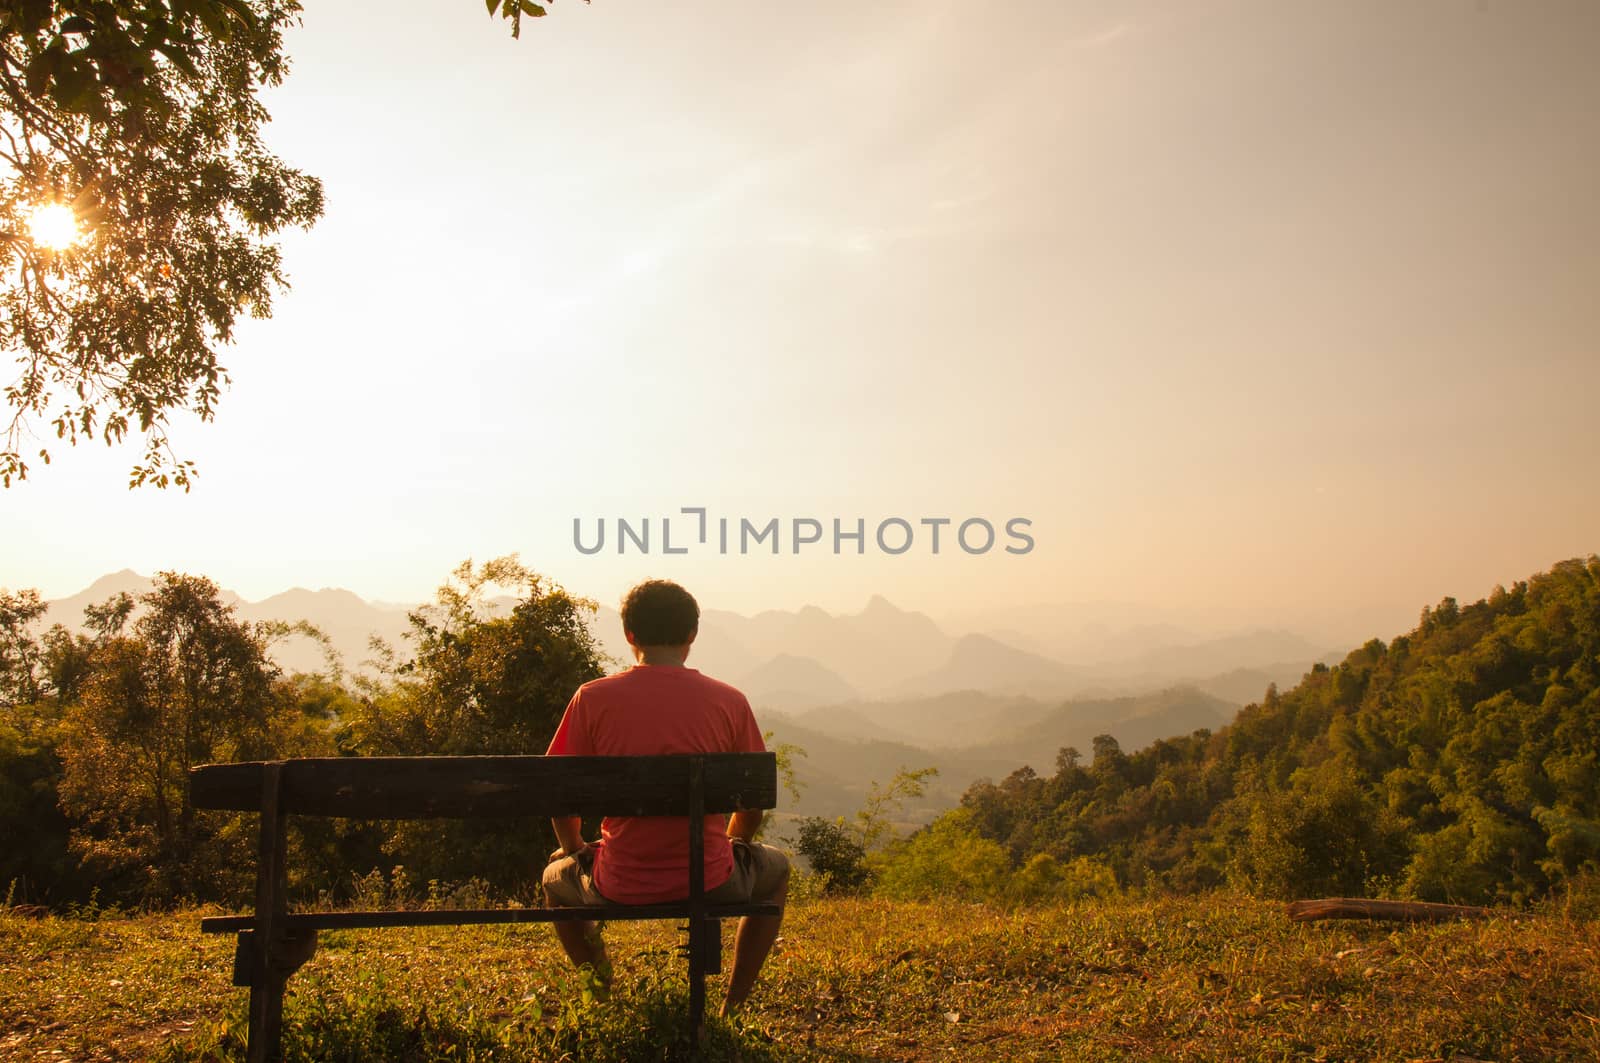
68, 612
347, 620
952, 720
344, 617
1248, 649
1080, 633
1244, 685
978, 662
835, 773
1135, 722
870, 650
788, 680
1019, 729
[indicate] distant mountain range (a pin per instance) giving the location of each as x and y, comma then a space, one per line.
792, 661
349, 621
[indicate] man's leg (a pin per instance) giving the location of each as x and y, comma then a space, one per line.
755, 939
582, 943
567, 885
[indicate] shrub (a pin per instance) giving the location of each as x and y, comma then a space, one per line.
834, 853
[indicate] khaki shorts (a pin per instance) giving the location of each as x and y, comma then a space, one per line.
759, 875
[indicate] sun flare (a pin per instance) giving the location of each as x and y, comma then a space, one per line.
53, 225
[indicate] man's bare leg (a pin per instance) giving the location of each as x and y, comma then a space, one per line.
583, 944
757, 933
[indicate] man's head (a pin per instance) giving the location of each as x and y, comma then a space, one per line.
659, 614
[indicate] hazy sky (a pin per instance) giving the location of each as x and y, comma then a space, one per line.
1260, 312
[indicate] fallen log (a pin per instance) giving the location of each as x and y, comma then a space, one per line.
1400, 911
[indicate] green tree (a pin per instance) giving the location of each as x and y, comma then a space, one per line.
36, 857
21, 657
488, 676
190, 684
1045, 880
1323, 836
484, 676
38, 677
874, 819
946, 858
137, 207
838, 850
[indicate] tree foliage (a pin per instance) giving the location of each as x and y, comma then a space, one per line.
144, 120
839, 850
1458, 762
93, 771
834, 852
136, 129
21, 656
515, 10
943, 859
190, 684
485, 676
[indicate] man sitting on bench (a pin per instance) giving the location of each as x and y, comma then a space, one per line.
661, 706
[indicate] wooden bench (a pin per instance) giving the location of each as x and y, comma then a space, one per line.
273, 943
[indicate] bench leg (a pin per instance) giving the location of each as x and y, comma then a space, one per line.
274, 954
704, 948
266, 1021
267, 976
697, 979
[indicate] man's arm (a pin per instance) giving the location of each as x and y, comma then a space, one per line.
569, 833
743, 825
571, 739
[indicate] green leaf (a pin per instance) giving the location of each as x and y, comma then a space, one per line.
240, 11
72, 85
492, 5
35, 13
37, 76
155, 33
533, 9
214, 19
178, 58
45, 64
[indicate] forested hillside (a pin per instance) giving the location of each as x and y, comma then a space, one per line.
1459, 761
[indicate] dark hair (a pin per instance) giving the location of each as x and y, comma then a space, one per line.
660, 613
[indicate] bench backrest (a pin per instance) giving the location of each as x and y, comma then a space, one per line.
474, 787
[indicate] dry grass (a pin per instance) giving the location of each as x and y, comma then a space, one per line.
1216, 977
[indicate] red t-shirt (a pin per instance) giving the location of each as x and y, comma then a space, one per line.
646, 711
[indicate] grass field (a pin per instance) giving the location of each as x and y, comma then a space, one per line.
1217, 977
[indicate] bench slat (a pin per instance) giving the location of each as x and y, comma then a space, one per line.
221, 924
472, 787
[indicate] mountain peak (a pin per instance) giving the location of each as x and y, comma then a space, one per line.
879, 604
115, 583
325, 595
